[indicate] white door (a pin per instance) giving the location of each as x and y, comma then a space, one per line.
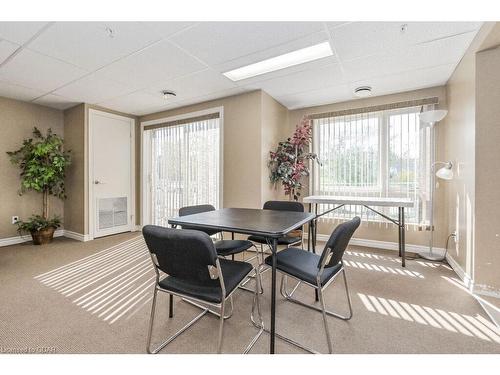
111, 173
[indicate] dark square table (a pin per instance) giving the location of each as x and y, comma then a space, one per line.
266, 223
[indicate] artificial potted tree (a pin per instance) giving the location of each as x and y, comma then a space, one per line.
289, 163
42, 161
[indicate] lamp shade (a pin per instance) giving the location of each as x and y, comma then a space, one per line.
433, 116
445, 173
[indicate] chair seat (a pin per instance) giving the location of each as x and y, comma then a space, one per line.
303, 265
233, 273
229, 247
286, 240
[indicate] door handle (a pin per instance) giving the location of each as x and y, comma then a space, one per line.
97, 182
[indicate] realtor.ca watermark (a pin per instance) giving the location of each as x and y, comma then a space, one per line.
28, 350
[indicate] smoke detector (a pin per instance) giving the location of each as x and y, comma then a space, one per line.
363, 91
167, 94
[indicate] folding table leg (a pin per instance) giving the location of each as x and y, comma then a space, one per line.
274, 246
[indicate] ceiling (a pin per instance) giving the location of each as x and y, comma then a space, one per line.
125, 65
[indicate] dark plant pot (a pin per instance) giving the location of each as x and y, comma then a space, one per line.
43, 236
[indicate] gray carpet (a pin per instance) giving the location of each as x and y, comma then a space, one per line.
95, 297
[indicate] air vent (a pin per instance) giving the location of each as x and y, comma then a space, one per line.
363, 91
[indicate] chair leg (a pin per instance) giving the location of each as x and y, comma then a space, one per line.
249, 277
216, 313
325, 321
256, 306
151, 321
171, 306
221, 327
289, 297
171, 338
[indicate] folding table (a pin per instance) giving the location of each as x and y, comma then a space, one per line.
265, 223
368, 202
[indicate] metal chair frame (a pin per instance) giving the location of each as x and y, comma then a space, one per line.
206, 309
320, 288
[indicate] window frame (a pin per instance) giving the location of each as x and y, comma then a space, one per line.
383, 188
145, 136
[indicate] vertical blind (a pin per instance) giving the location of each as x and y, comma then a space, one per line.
184, 166
381, 153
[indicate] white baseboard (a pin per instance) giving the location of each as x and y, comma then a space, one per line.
77, 236
386, 245
20, 239
58, 233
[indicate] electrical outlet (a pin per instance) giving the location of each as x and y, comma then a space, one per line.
15, 219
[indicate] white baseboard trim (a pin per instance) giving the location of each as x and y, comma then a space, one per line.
20, 239
477, 291
58, 233
77, 236
386, 245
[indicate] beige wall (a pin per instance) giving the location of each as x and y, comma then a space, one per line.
460, 148
386, 231
487, 173
75, 206
242, 145
274, 129
17, 120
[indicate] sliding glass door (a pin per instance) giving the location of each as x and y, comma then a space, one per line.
183, 162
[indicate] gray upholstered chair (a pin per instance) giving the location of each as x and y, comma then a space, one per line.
194, 272
317, 271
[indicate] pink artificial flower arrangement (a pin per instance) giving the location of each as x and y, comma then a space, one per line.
288, 164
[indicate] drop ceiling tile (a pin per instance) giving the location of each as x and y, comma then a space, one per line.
6, 49
31, 69
20, 32
217, 42
306, 80
55, 101
440, 52
158, 63
13, 91
93, 89
359, 39
417, 79
316, 97
89, 45
135, 103
167, 29
195, 85
296, 44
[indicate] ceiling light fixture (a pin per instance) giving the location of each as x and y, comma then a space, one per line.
363, 91
297, 57
167, 94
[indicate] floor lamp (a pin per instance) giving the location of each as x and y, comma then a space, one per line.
445, 173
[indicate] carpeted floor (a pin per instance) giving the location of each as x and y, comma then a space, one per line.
95, 297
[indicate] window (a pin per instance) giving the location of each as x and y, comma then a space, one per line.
184, 165
384, 153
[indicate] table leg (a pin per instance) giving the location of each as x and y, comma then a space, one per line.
274, 248
309, 231
399, 230
314, 228
403, 250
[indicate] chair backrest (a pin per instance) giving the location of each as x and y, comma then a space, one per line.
185, 254
339, 240
191, 210
284, 206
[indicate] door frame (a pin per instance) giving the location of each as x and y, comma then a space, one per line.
90, 184
145, 149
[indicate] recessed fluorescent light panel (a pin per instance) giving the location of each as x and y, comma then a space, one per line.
297, 57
